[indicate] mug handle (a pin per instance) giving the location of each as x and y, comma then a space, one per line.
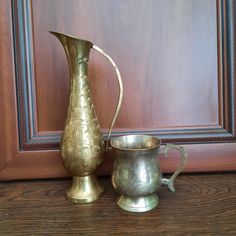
183, 158
121, 91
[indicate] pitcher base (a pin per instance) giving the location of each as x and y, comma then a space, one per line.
84, 189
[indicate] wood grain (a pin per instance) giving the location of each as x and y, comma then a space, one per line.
201, 205
166, 52
8, 119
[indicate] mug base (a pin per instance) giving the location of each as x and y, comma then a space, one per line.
138, 204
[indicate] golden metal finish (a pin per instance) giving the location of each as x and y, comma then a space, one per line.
121, 91
136, 173
84, 189
82, 145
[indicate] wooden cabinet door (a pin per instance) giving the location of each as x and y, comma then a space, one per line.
177, 60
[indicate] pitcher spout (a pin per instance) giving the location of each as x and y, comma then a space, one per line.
64, 37
77, 51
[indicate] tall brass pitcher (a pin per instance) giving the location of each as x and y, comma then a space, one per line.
82, 144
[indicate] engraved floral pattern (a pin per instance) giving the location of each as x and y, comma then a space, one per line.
82, 144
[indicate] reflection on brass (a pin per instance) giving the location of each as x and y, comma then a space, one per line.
136, 173
82, 144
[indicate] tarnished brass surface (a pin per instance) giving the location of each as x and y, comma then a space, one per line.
82, 145
136, 173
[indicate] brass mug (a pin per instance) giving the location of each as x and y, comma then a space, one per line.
136, 172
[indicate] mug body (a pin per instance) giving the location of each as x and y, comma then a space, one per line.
136, 174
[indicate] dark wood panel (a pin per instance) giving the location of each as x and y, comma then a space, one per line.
8, 120
167, 54
17, 41
201, 205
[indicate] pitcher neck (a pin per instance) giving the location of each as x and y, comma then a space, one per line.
77, 50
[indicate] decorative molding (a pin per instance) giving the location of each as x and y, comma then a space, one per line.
24, 71
31, 139
48, 164
226, 52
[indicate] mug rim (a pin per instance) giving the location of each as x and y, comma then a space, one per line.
136, 149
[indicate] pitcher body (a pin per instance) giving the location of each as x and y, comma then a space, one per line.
82, 144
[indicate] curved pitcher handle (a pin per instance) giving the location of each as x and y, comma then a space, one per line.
121, 91
183, 158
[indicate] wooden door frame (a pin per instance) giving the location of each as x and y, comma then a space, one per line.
27, 153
